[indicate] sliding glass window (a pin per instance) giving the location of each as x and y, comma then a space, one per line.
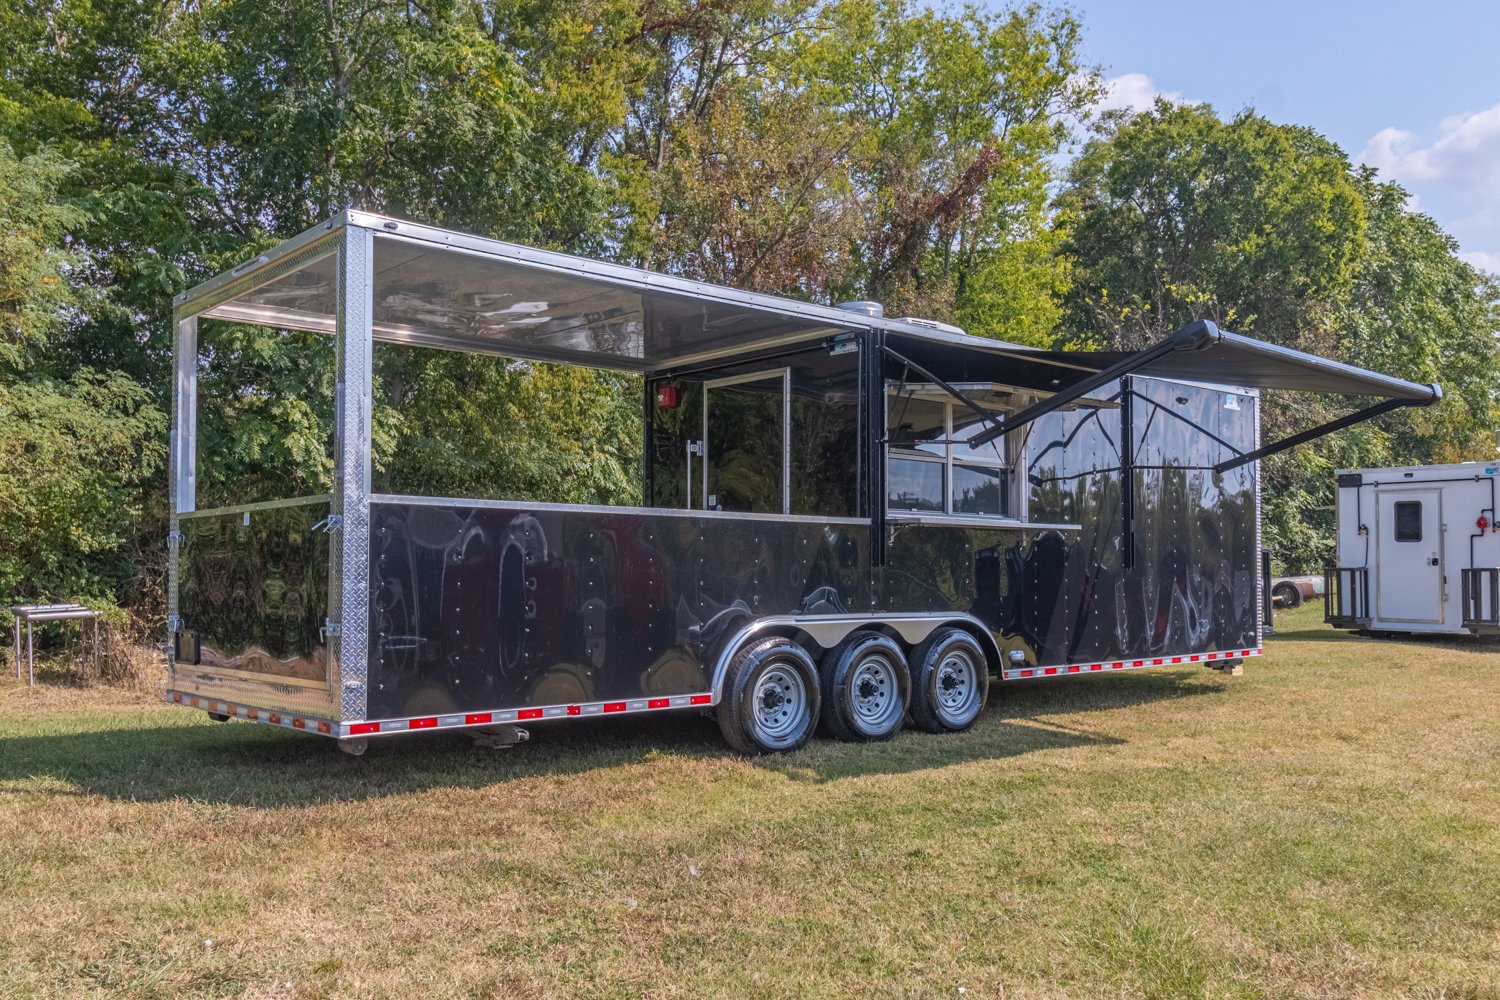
930, 466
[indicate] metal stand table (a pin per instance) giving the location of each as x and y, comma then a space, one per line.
30, 613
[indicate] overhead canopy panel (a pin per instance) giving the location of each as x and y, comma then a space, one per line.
441, 289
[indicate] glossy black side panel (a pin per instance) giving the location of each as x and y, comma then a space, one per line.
1190, 585
254, 586
484, 607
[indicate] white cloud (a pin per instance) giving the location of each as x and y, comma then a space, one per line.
1135, 91
1466, 152
1484, 260
1454, 177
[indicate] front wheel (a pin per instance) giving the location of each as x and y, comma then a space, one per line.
950, 682
771, 698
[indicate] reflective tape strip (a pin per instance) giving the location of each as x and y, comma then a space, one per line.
252, 714
1023, 673
384, 727
545, 712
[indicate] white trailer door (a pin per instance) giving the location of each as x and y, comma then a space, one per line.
1409, 556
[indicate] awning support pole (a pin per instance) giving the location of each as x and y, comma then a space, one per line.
1196, 334
1277, 447
951, 390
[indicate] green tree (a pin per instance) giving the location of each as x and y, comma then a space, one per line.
205, 132
1416, 308
38, 290
856, 148
75, 453
75, 458
1179, 215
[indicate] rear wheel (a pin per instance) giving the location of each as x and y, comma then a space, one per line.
866, 685
771, 698
950, 682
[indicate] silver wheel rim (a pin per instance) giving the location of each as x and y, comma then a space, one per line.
874, 694
779, 707
956, 687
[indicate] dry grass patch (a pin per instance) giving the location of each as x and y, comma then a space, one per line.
1327, 825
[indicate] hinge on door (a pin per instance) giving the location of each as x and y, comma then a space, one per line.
174, 541
330, 629
174, 622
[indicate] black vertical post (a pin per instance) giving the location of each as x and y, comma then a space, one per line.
1127, 473
872, 366
1265, 592
648, 455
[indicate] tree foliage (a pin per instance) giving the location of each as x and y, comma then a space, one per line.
76, 452
76, 458
858, 148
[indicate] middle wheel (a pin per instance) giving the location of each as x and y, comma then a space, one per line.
866, 685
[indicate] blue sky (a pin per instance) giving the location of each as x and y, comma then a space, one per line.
1412, 89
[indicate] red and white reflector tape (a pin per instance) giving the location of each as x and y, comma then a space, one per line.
1026, 673
465, 720
307, 723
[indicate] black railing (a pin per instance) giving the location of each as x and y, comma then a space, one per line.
1481, 600
1346, 596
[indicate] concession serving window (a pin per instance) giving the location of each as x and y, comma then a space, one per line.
930, 465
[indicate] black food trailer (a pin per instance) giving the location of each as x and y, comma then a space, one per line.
849, 520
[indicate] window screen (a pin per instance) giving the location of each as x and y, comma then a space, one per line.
1408, 520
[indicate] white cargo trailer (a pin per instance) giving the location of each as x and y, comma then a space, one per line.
1418, 551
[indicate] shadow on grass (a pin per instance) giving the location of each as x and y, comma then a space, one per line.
1475, 644
239, 763
1319, 634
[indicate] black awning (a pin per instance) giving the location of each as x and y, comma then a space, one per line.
1217, 356
1198, 352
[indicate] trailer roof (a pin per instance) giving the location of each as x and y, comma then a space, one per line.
438, 288
443, 289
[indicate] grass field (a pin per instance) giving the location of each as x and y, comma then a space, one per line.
1327, 825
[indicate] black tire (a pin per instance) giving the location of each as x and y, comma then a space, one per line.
866, 687
950, 682
1286, 595
771, 698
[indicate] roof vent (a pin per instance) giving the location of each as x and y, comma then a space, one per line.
931, 324
863, 308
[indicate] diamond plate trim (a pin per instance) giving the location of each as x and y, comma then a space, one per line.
349, 565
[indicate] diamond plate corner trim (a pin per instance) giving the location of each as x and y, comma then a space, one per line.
181, 459
349, 565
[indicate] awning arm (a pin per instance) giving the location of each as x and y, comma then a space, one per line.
1277, 447
951, 390
1197, 334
